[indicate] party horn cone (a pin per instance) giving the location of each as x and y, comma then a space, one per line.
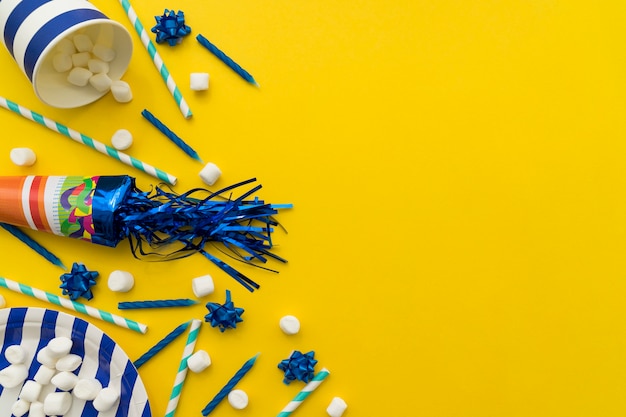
64, 206
160, 224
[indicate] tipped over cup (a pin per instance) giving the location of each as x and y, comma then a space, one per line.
36, 31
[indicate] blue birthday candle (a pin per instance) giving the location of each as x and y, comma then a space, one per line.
226, 60
170, 135
34, 245
173, 335
229, 385
179, 302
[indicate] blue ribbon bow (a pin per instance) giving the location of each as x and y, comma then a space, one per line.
298, 366
78, 282
171, 27
224, 315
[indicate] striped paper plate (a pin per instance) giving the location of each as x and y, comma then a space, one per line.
103, 359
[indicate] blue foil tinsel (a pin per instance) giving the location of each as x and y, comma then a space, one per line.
78, 282
163, 225
298, 366
225, 315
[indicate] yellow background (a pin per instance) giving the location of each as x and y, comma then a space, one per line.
457, 169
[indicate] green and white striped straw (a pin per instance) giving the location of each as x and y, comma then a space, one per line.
182, 369
304, 393
86, 140
72, 305
156, 58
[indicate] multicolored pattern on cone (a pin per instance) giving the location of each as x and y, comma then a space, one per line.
54, 204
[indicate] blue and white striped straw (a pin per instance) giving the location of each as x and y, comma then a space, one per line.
182, 369
156, 58
304, 393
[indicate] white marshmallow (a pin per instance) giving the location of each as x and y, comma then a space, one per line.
122, 139
336, 407
100, 82
3, 302
210, 173
20, 407
120, 281
83, 43
97, 66
23, 157
106, 399
15, 354
66, 46
65, 381
81, 59
103, 52
69, 363
62, 62
238, 399
79, 76
36, 410
57, 403
289, 324
202, 286
199, 361
13, 375
30, 391
121, 91
46, 357
44, 374
59, 346
87, 389
199, 81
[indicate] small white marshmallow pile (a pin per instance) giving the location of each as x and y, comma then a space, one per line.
87, 63
54, 385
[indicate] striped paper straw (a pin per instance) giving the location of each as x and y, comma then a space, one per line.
304, 393
182, 369
72, 305
156, 58
86, 140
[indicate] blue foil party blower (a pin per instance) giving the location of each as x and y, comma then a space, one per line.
160, 225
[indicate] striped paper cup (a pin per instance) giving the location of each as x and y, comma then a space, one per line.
32, 30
